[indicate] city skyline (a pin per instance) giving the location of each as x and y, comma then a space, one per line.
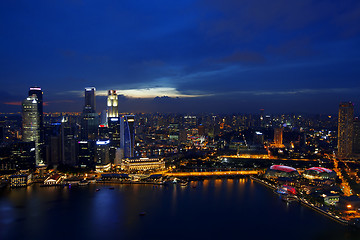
191, 56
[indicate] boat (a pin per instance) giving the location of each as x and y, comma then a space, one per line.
111, 188
184, 184
97, 189
142, 213
83, 183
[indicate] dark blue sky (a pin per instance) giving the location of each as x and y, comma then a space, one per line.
215, 56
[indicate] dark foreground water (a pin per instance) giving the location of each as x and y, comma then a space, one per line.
215, 209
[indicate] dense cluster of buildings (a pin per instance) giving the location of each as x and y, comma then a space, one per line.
110, 139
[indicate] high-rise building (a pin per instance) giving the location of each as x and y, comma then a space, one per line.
31, 125
90, 100
86, 154
127, 135
39, 95
345, 130
102, 152
112, 104
356, 142
90, 119
278, 136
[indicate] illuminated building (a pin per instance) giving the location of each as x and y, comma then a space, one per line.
102, 152
278, 136
279, 171
86, 154
127, 135
345, 130
356, 142
174, 131
319, 173
39, 94
142, 164
201, 130
53, 179
20, 180
90, 119
112, 104
90, 99
31, 125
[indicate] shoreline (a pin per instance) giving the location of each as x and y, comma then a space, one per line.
305, 203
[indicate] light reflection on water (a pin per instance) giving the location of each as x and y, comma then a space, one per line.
214, 209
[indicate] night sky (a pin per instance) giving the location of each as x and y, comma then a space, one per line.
228, 56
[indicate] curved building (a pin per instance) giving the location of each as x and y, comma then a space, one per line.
319, 173
276, 171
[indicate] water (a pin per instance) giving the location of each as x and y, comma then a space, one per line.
215, 209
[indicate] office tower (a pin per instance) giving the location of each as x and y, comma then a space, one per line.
262, 118
31, 125
68, 144
39, 94
278, 136
174, 131
90, 119
258, 138
90, 100
345, 129
201, 130
86, 154
356, 141
102, 152
127, 135
112, 104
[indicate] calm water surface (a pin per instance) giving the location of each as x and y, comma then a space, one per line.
215, 209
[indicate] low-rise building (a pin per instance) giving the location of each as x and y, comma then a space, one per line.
53, 179
21, 180
142, 164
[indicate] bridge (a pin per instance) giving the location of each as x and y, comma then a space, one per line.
218, 173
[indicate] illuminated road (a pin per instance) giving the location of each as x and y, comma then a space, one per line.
222, 173
260, 156
345, 187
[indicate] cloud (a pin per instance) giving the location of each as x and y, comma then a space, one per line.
13, 103
143, 93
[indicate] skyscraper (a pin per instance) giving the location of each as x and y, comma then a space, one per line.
345, 129
39, 94
90, 100
112, 104
127, 135
356, 142
278, 136
31, 125
90, 119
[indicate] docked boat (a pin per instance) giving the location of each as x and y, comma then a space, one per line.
184, 184
83, 183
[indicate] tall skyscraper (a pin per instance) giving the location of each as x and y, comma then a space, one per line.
31, 125
356, 142
112, 104
345, 129
90, 119
90, 100
39, 94
127, 135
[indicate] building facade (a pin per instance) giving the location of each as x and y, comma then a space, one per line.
345, 130
31, 125
127, 135
112, 104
